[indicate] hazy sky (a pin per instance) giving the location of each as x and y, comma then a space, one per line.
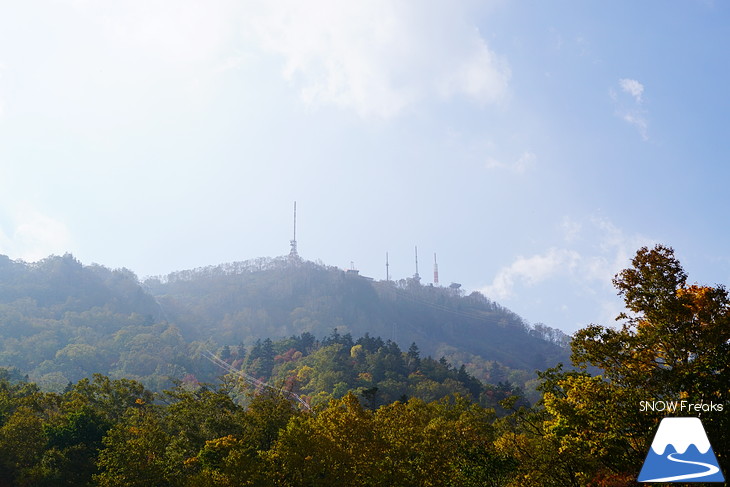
534, 146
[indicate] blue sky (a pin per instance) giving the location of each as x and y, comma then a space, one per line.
534, 146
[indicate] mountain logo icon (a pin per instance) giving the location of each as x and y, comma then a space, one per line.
681, 452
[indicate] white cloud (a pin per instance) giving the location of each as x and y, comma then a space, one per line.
2, 101
588, 269
613, 251
632, 113
33, 235
379, 57
529, 271
571, 229
121, 62
480, 75
638, 120
184, 32
632, 87
526, 160
579, 272
230, 63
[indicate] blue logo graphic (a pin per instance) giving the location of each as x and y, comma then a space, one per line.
681, 452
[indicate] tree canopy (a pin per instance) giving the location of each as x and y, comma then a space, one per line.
673, 345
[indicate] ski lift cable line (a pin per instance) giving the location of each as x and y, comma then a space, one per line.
252, 380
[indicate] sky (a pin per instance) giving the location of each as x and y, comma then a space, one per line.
532, 146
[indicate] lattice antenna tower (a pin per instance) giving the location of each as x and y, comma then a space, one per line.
416, 276
293, 242
435, 270
387, 268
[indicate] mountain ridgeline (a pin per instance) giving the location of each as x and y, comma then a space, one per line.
243, 301
61, 321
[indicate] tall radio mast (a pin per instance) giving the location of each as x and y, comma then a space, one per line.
387, 268
416, 277
435, 270
293, 242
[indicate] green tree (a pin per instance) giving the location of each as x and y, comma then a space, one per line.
337, 446
241, 459
673, 345
73, 443
134, 451
21, 445
443, 443
111, 398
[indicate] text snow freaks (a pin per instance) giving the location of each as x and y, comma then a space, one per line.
680, 406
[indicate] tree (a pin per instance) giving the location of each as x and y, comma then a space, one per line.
413, 358
21, 444
192, 419
674, 344
134, 453
240, 459
337, 446
112, 398
443, 443
73, 443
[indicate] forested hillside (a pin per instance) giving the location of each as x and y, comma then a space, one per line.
377, 372
369, 417
113, 433
61, 321
243, 301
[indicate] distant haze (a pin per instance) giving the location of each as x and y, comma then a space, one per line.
534, 147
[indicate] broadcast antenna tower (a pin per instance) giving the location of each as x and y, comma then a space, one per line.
416, 277
293, 252
435, 270
387, 268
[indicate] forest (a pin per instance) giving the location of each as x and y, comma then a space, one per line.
61, 321
335, 410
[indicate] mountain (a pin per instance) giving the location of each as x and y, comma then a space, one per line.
61, 320
242, 301
62, 284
